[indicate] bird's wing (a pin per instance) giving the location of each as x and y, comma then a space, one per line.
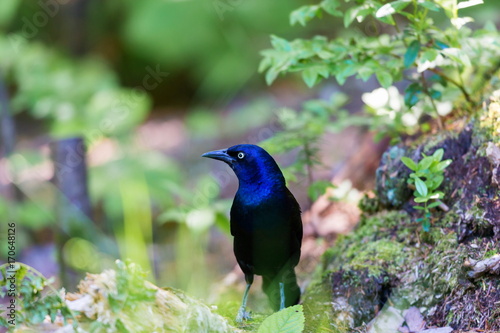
237, 215
296, 220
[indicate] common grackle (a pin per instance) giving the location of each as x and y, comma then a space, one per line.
265, 223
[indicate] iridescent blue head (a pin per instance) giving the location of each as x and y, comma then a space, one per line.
252, 165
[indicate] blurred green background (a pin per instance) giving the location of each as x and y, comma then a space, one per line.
149, 85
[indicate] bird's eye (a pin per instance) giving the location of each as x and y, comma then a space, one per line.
241, 155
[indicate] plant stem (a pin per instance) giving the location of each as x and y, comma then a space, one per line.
308, 155
426, 91
449, 79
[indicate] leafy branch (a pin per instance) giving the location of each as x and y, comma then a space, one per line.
436, 61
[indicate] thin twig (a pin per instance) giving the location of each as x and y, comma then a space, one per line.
443, 206
426, 91
449, 79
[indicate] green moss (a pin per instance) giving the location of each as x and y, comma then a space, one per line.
361, 249
369, 205
490, 254
432, 273
377, 257
428, 265
317, 303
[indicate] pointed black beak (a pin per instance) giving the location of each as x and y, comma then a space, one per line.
220, 155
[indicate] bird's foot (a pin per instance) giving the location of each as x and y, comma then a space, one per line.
242, 315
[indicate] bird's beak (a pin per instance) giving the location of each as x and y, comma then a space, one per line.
220, 155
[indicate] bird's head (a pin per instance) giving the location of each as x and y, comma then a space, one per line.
251, 164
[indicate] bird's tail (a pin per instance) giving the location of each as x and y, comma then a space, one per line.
271, 287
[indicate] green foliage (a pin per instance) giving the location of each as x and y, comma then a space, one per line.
7, 10
35, 297
161, 174
318, 188
431, 47
199, 210
36, 211
427, 176
224, 39
130, 289
301, 132
78, 97
289, 320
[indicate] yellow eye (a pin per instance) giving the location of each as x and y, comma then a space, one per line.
241, 155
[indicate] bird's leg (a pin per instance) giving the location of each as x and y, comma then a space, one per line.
242, 313
282, 296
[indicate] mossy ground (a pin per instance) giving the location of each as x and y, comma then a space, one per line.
389, 259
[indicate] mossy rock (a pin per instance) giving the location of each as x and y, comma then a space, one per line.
389, 259
391, 175
122, 300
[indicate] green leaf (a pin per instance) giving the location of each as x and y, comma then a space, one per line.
409, 163
331, 7
365, 73
384, 78
440, 45
280, 44
289, 320
442, 165
421, 187
428, 5
309, 75
349, 16
391, 8
345, 69
271, 75
438, 154
425, 163
429, 55
426, 225
304, 14
436, 181
265, 63
421, 199
418, 207
412, 93
435, 94
433, 204
358, 12
411, 53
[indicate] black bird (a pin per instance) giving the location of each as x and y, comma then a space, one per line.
265, 223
